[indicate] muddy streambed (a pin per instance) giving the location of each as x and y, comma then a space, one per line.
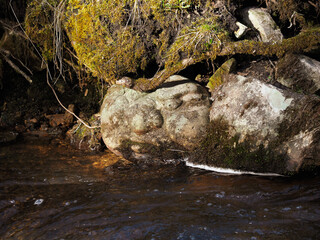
50, 191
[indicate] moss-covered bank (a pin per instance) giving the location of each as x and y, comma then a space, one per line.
152, 40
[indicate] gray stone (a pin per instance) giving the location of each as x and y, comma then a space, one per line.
261, 20
299, 72
266, 129
155, 126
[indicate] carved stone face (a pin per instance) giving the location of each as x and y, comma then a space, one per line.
140, 125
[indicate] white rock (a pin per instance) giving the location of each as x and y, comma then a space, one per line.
241, 30
261, 20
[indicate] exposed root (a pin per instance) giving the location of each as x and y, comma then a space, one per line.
58, 36
303, 42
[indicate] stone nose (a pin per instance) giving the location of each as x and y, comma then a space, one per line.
146, 120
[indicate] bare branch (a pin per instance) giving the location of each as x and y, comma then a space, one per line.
15, 67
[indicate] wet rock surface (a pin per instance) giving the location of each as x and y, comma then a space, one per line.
155, 126
8, 137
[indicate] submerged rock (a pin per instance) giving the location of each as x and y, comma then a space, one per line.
258, 127
63, 119
261, 20
158, 126
8, 137
300, 73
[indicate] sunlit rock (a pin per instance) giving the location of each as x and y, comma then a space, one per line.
242, 29
261, 20
256, 126
155, 126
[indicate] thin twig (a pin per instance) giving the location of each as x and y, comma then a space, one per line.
16, 68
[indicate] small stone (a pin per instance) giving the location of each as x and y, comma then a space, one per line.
241, 30
261, 20
68, 117
55, 119
125, 82
8, 137
38, 201
33, 120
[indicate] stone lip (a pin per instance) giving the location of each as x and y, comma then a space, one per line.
262, 128
157, 126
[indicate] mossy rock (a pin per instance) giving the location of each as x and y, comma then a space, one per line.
218, 77
258, 127
299, 72
222, 149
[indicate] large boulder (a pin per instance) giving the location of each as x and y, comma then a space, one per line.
299, 72
158, 126
258, 127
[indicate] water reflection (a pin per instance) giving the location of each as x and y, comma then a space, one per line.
49, 191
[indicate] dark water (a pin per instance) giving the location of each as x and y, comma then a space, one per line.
53, 192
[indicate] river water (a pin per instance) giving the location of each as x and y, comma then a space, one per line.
49, 191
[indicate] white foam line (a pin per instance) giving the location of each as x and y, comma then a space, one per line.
228, 170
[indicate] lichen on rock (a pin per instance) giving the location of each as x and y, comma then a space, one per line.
155, 126
256, 126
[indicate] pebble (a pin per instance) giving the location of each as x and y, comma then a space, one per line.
286, 209
38, 201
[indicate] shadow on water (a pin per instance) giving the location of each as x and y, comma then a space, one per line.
49, 191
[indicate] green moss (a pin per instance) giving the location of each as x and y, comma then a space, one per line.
218, 77
219, 150
195, 39
39, 25
117, 38
121, 37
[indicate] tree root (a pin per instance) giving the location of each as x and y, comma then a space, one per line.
303, 42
